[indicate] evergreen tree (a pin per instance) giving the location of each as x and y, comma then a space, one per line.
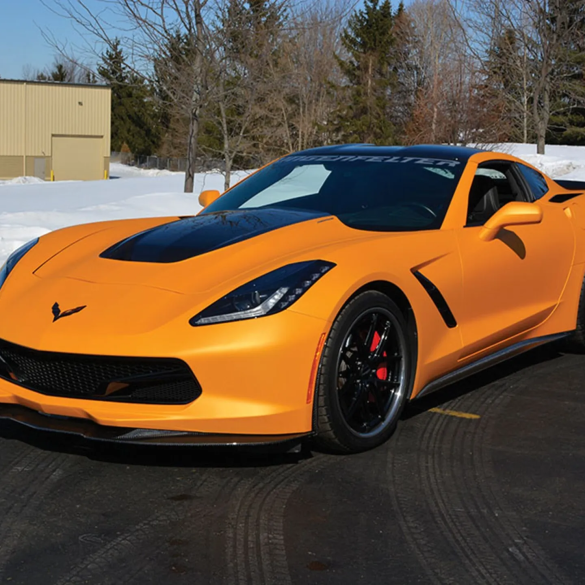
60, 73
567, 123
134, 120
89, 77
370, 70
507, 84
253, 27
171, 80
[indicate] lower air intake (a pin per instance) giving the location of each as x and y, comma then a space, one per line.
116, 379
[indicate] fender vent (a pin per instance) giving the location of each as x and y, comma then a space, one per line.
438, 299
564, 197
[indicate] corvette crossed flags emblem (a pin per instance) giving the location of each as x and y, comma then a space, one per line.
57, 314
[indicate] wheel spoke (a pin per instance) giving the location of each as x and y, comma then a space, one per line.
378, 399
356, 401
365, 420
379, 351
350, 360
388, 383
385, 359
349, 383
367, 344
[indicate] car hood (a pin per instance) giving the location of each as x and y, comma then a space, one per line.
198, 254
189, 237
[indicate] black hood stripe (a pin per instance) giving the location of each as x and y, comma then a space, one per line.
190, 237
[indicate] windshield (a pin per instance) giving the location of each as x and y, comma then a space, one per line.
378, 193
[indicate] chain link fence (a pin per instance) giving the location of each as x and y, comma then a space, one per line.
165, 163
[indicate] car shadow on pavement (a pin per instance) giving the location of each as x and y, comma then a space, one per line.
151, 455
488, 376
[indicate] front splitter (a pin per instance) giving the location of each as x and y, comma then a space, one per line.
86, 429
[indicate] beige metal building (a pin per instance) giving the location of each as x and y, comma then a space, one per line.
54, 131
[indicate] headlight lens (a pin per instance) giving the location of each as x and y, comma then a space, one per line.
14, 259
266, 295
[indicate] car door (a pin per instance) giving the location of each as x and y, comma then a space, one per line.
512, 283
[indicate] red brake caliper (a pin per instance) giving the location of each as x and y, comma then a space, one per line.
382, 371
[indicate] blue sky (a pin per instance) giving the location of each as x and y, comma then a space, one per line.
21, 41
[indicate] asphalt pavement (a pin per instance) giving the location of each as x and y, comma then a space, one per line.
484, 482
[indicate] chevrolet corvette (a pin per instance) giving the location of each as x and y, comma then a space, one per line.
313, 300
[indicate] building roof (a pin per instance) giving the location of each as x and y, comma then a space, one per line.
60, 83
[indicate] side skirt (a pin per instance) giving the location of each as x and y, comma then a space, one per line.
488, 361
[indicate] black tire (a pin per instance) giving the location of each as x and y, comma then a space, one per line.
364, 378
576, 342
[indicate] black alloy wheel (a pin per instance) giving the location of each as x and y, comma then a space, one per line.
364, 378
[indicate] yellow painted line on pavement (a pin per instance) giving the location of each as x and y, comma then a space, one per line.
455, 413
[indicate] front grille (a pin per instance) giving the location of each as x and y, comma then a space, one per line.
120, 379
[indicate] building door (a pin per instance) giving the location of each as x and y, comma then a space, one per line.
78, 158
40, 168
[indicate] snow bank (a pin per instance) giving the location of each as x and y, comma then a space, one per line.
559, 161
22, 181
120, 171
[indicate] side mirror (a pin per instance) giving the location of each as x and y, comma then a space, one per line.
206, 198
514, 213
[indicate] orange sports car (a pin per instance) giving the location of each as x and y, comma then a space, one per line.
313, 299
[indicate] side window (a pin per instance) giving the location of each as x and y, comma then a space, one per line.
535, 180
492, 187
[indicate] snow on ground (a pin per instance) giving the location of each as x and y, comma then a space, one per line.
120, 171
30, 207
559, 161
23, 181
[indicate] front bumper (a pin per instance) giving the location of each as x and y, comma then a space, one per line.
85, 429
255, 376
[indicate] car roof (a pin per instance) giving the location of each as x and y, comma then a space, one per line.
458, 153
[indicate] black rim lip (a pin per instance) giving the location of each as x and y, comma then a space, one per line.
399, 392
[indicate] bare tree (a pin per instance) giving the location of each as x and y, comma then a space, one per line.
310, 71
536, 36
245, 41
148, 29
551, 31
448, 106
271, 90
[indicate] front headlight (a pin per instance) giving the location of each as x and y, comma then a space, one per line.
14, 259
266, 295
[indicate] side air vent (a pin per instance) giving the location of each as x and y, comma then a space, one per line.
438, 299
564, 197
